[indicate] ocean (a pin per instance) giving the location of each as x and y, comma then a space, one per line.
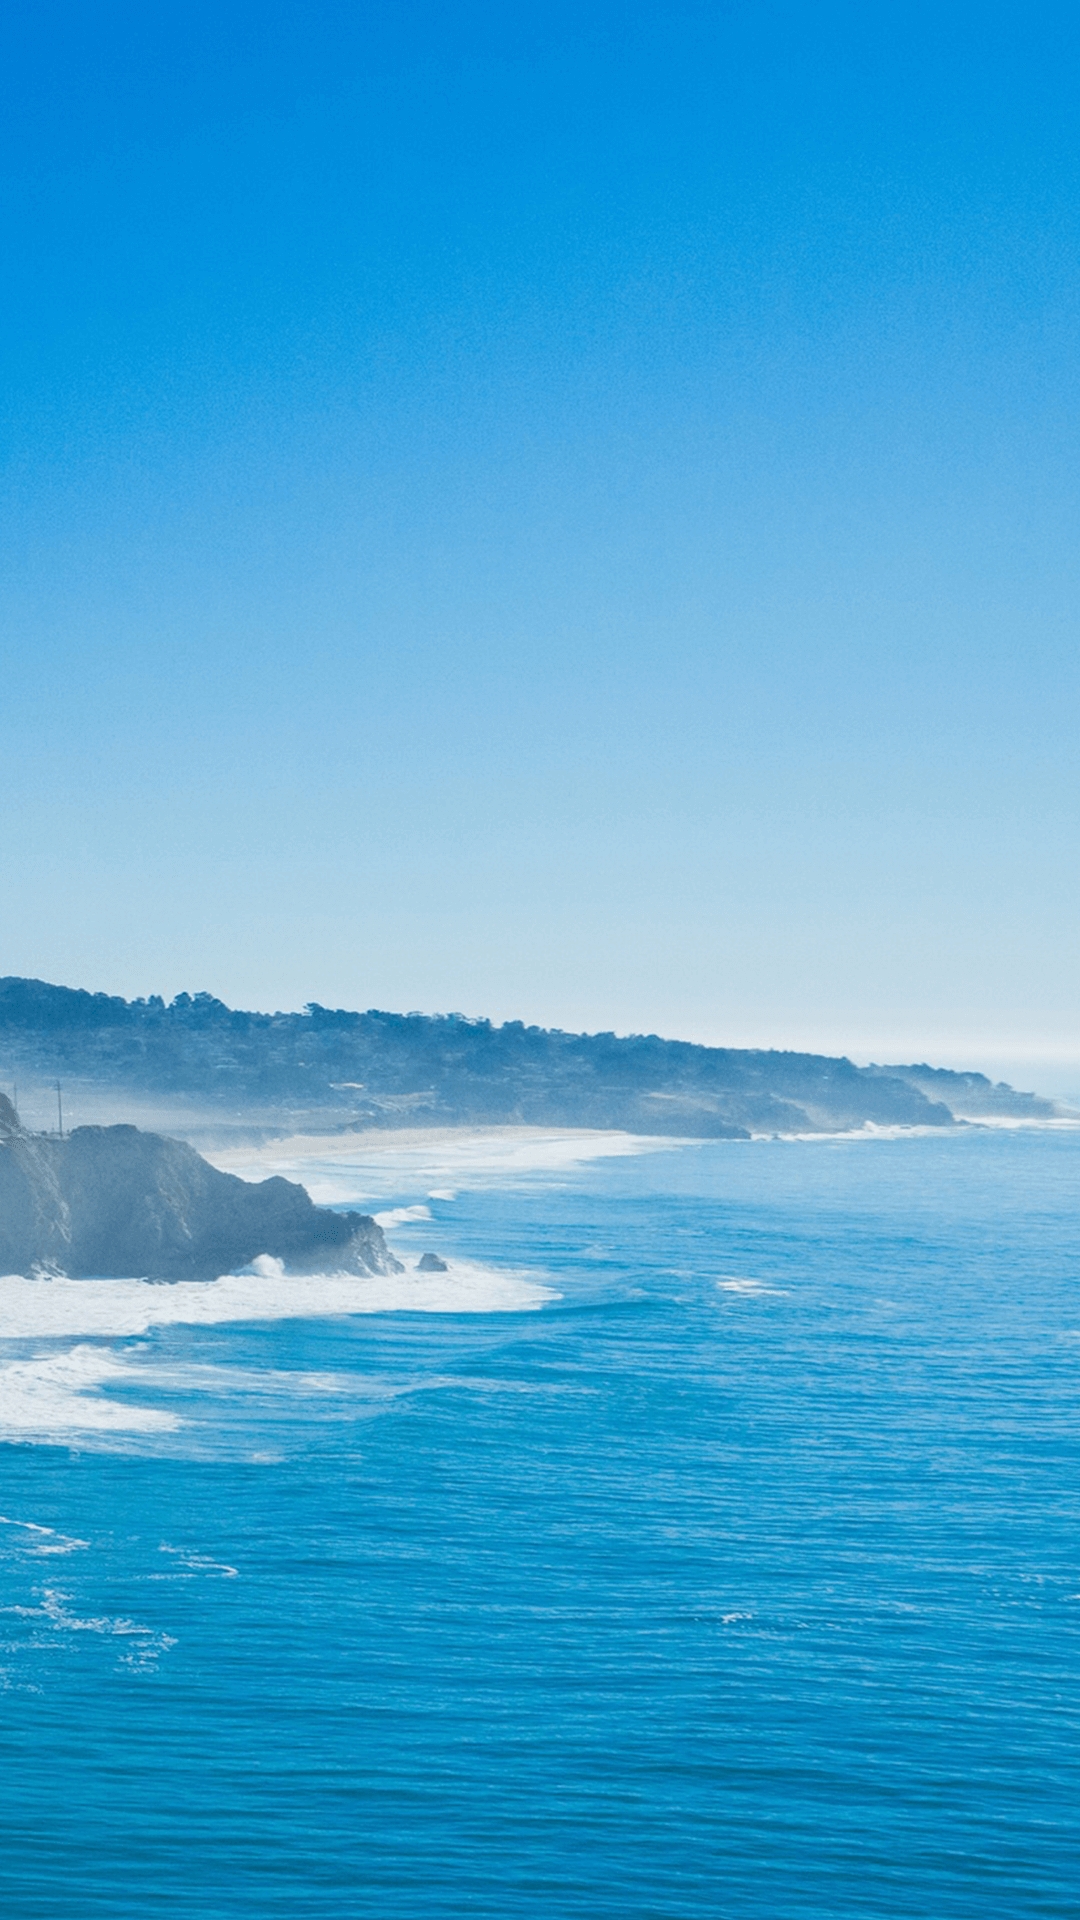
704, 1542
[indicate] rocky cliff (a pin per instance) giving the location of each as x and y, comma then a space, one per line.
113, 1200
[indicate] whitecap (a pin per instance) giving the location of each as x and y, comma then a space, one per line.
45, 1539
200, 1562
52, 1395
734, 1285
54, 1609
56, 1307
53, 1612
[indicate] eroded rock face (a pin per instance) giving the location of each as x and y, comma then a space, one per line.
35, 1223
114, 1200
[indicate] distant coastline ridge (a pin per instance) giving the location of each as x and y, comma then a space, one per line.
195, 1063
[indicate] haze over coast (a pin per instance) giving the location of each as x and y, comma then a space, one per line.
197, 1066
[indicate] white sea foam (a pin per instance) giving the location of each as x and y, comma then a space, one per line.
53, 1395
735, 1285
968, 1123
53, 1613
200, 1563
401, 1216
58, 1307
44, 1539
54, 1609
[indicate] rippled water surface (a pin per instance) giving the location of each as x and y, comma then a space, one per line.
708, 1545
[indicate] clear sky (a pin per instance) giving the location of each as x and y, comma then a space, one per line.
554, 511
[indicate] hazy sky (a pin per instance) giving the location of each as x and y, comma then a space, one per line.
553, 511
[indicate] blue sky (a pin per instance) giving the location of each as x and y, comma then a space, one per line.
559, 512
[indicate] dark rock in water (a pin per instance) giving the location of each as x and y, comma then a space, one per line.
113, 1200
430, 1263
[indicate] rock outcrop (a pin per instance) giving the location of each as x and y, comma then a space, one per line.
116, 1201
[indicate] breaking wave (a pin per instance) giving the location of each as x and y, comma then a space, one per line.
53, 1396
56, 1394
55, 1307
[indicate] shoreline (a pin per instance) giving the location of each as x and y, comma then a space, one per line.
459, 1155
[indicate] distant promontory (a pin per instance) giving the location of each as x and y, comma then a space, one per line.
327, 1068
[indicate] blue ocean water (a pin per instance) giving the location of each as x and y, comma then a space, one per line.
740, 1579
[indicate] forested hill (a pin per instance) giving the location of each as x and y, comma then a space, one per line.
393, 1069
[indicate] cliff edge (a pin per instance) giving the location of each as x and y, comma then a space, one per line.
116, 1201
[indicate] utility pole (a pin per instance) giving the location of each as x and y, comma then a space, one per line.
59, 1110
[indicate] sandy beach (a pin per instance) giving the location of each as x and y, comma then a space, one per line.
339, 1167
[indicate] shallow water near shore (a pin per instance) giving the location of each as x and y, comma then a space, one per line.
706, 1542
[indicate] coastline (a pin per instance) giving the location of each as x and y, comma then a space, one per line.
564, 1145
336, 1167
449, 1156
